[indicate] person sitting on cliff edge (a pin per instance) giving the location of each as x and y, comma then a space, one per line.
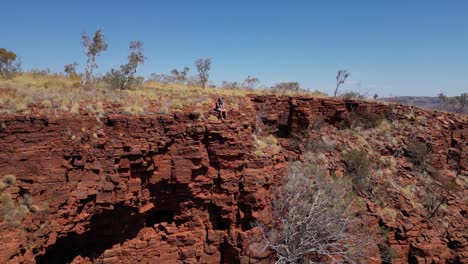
220, 108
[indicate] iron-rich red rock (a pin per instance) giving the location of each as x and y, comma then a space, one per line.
155, 189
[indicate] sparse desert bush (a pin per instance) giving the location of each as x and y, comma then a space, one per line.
212, 118
259, 153
70, 71
7, 207
417, 152
312, 220
384, 127
250, 82
267, 145
115, 79
175, 77
38, 73
9, 179
364, 119
230, 85
125, 76
437, 192
13, 211
287, 86
461, 102
358, 167
324, 143
24, 92
353, 95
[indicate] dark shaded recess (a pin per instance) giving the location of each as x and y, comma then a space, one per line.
351, 106
201, 171
229, 254
455, 244
385, 253
413, 254
116, 226
142, 172
283, 131
336, 119
248, 220
216, 219
167, 200
268, 122
156, 217
105, 230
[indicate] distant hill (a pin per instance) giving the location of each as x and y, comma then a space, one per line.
426, 102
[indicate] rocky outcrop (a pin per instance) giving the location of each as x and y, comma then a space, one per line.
181, 189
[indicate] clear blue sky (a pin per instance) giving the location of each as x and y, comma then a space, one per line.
398, 47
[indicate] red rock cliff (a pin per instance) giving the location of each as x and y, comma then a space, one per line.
177, 188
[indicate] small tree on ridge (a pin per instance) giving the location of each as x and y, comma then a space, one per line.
9, 66
93, 48
203, 68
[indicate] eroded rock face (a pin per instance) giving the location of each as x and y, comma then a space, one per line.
177, 188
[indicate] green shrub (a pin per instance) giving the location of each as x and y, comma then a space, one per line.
115, 79
358, 167
417, 152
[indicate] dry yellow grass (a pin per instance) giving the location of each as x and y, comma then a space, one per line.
51, 93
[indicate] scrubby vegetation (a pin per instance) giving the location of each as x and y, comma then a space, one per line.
365, 119
437, 190
266, 146
122, 88
14, 211
417, 152
9, 64
358, 167
458, 103
312, 219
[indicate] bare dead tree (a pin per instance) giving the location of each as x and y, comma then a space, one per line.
340, 79
203, 68
93, 48
312, 220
